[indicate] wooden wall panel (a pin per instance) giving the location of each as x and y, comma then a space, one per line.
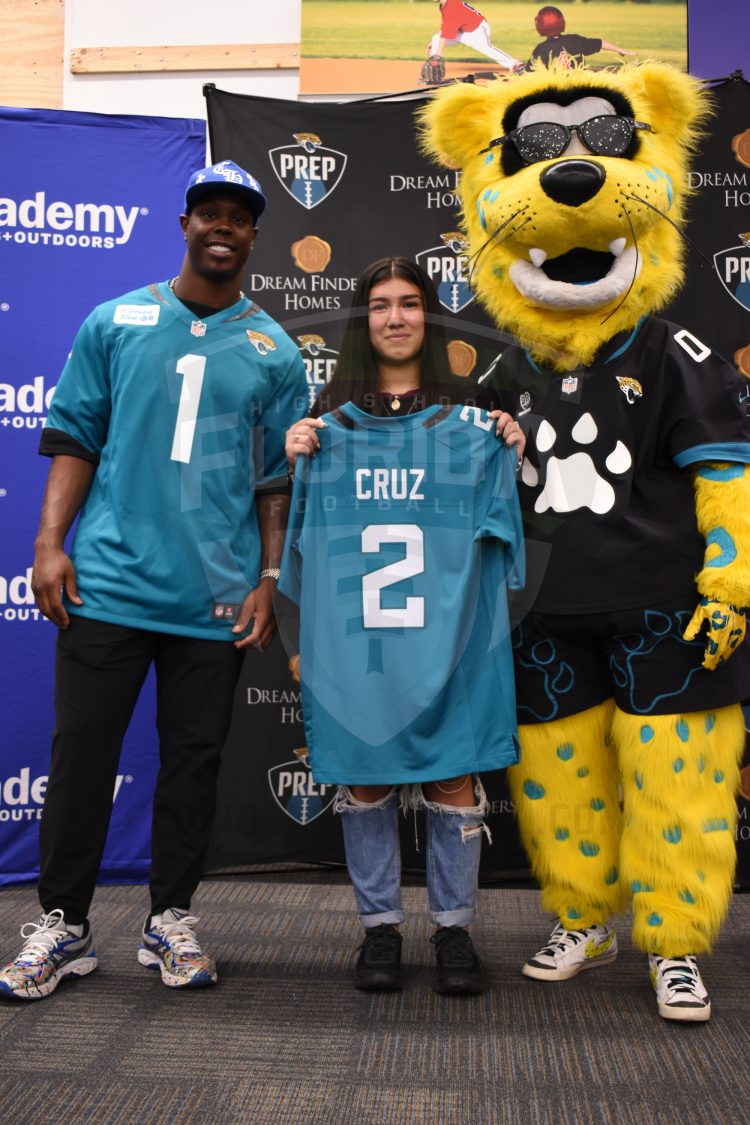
201, 56
32, 52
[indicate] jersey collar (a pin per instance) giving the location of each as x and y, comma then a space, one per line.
221, 316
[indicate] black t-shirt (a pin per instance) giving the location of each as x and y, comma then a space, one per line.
606, 488
575, 46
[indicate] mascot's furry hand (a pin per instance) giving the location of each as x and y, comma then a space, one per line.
433, 71
726, 630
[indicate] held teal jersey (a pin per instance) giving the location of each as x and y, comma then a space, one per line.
404, 534
185, 419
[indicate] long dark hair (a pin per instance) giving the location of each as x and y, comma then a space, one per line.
355, 378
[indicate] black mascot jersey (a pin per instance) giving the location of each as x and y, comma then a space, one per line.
606, 475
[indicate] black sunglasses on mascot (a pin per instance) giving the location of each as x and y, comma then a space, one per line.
605, 135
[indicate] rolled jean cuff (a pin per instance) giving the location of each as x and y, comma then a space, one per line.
453, 917
388, 917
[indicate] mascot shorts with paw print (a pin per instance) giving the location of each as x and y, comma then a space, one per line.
636, 495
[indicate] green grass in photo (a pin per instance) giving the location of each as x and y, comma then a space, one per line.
401, 29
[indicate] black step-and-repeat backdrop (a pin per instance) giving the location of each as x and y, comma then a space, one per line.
345, 185
84, 216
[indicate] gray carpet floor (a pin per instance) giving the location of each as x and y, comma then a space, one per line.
284, 1039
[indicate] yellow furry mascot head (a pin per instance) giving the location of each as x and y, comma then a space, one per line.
571, 181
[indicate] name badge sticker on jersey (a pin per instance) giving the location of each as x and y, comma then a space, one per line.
139, 316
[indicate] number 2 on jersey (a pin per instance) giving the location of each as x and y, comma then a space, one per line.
191, 367
411, 614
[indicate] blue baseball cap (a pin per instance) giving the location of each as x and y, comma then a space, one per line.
226, 174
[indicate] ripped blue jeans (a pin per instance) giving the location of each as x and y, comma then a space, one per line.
373, 854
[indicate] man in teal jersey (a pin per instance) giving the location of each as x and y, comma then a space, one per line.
167, 434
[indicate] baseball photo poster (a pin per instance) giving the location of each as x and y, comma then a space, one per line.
388, 46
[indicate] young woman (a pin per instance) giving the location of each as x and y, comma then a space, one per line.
393, 360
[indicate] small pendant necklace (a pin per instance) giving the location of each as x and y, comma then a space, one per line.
395, 403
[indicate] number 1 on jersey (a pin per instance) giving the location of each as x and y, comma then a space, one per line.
191, 367
411, 614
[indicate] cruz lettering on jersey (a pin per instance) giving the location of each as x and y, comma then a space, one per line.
389, 484
446, 266
308, 170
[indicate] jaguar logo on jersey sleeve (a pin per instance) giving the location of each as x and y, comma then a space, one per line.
307, 170
263, 344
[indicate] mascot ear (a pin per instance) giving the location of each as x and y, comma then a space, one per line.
673, 103
455, 124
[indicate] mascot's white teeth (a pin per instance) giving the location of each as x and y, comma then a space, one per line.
617, 246
533, 284
539, 257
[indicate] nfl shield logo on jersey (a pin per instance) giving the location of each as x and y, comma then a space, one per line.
308, 170
446, 266
295, 792
733, 268
569, 385
198, 328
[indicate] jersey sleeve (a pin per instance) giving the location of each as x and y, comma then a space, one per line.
705, 408
501, 517
290, 579
581, 44
81, 405
286, 407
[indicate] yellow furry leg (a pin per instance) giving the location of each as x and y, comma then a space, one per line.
680, 775
565, 793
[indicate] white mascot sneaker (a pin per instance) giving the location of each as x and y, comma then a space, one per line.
569, 952
680, 992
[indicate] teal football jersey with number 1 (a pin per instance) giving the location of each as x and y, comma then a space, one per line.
187, 418
404, 535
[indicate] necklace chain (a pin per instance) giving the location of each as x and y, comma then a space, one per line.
391, 411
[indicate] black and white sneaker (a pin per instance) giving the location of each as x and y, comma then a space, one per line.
569, 952
378, 966
680, 992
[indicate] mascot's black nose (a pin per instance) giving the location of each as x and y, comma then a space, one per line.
572, 181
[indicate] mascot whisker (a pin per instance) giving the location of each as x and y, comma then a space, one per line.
631, 663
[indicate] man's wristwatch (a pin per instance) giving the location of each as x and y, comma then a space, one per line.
271, 572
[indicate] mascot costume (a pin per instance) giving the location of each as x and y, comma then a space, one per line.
636, 497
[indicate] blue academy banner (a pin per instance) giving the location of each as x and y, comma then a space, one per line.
89, 207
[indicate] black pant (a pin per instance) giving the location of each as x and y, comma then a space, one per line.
99, 672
